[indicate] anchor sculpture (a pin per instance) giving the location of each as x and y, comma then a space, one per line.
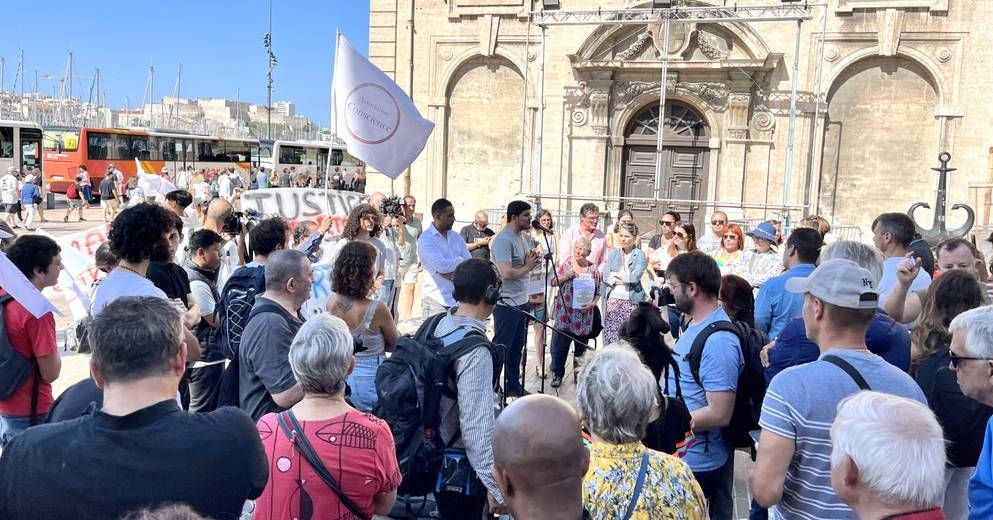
938, 231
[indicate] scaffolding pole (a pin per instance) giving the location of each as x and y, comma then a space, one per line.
791, 134
657, 191
541, 124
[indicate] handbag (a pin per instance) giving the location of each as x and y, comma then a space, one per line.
306, 451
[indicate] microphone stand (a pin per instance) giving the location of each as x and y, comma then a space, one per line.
543, 324
549, 261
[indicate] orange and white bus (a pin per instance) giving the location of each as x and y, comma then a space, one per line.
276, 155
67, 148
20, 145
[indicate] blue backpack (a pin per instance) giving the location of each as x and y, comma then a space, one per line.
235, 305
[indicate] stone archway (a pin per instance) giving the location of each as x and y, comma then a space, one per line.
484, 123
880, 138
685, 158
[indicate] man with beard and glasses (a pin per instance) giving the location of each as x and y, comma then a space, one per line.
138, 235
695, 281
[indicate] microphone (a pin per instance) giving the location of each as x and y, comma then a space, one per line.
537, 225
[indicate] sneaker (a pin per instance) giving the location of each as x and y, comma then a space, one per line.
81, 219
65, 219
556, 381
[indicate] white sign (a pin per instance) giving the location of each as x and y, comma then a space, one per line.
583, 291
373, 116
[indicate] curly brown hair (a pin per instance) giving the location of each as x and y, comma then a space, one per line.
354, 223
354, 270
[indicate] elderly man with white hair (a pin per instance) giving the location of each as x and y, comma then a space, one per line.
888, 458
971, 354
356, 448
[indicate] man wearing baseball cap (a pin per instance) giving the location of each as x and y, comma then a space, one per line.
792, 466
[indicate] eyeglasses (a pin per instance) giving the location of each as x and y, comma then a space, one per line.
730, 237
955, 361
718, 222
679, 235
667, 222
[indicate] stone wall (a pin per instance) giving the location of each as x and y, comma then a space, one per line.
900, 80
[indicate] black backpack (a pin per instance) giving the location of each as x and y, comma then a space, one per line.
237, 300
14, 369
410, 385
751, 382
229, 393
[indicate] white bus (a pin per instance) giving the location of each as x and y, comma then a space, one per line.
304, 155
20, 145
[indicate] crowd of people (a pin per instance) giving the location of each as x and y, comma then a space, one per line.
856, 376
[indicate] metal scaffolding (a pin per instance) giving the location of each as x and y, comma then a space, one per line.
797, 12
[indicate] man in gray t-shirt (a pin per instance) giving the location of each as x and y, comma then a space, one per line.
515, 260
792, 466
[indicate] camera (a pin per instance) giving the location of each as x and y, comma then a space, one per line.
237, 219
393, 207
662, 296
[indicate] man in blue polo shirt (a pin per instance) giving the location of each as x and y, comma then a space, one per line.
695, 280
774, 306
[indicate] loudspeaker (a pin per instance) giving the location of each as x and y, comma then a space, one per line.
661, 4
550, 4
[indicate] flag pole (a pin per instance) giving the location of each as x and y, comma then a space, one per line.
334, 133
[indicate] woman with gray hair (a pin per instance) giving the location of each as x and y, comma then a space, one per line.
617, 398
355, 448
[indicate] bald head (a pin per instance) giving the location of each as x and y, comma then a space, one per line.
376, 200
538, 448
219, 209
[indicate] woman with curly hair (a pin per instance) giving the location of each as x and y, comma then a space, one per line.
352, 278
961, 418
365, 224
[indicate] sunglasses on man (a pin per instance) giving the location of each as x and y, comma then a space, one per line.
718, 222
956, 361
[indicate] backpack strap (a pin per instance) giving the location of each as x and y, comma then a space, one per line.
695, 355
35, 372
849, 369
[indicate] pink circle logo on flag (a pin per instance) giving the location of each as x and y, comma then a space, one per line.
372, 114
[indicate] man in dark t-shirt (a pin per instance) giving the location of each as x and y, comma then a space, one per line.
109, 198
139, 450
265, 381
478, 236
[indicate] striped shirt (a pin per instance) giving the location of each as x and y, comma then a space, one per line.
471, 412
801, 405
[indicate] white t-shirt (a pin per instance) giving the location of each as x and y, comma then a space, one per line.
121, 282
224, 186
204, 297
201, 190
229, 262
8, 189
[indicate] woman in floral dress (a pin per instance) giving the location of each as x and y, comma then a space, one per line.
576, 321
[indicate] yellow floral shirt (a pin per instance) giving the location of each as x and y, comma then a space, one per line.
670, 491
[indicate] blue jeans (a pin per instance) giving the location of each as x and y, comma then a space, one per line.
362, 381
11, 425
511, 331
388, 295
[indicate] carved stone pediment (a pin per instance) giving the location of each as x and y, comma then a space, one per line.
713, 93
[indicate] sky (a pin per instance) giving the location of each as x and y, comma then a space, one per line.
218, 43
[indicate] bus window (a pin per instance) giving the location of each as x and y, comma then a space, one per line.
210, 151
337, 156
6, 142
122, 148
139, 148
322, 158
237, 151
168, 147
291, 154
61, 140
98, 146
153, 148
31, 154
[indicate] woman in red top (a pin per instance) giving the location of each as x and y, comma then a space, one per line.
356, 448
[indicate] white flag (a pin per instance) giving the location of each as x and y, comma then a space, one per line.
22, 290
378, 122
152, 184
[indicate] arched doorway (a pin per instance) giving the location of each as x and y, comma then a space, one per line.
685, 154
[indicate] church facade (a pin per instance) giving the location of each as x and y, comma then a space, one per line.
883, 86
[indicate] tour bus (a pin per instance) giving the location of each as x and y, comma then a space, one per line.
276, 155
20, 145
67, 148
